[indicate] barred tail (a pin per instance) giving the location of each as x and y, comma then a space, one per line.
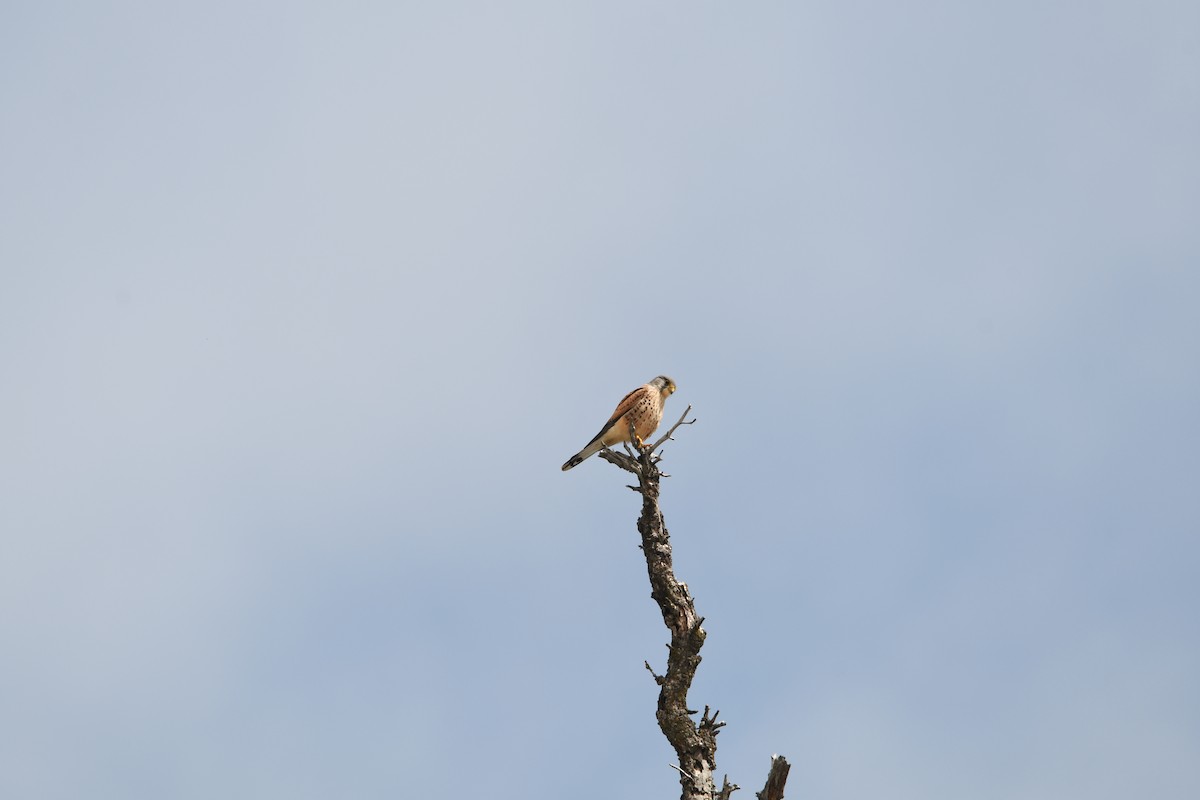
578, 458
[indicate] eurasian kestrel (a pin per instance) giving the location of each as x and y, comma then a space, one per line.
643, 407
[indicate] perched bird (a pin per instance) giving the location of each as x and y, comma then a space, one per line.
643, 407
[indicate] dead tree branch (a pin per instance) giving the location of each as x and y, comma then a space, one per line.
776, 778
695, 744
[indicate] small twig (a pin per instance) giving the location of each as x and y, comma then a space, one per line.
657, 678
727, 789
666, 436
710, 722
681, 772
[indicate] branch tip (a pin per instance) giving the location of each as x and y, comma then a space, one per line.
727, 789
776, 778
666, 436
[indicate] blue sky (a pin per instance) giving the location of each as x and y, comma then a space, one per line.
302, 307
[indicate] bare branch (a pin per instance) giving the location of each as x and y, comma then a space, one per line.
711, 722
667, 436
625, 462
695, 743
727, 789
776, 778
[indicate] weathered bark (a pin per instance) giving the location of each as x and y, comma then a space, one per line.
776, 778
695, 743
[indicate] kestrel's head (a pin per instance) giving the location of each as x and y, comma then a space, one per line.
664, 385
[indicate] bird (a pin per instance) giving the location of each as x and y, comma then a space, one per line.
643, 407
